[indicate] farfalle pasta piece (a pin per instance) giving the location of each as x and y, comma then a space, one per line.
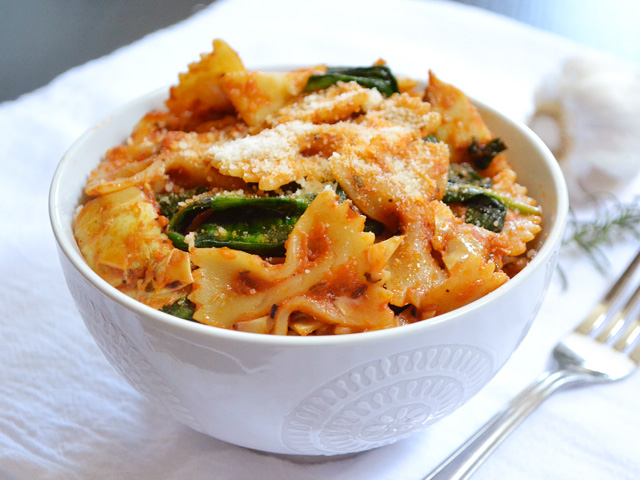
470, 270
273, 157
469, 276
255, 94
199, 90
519, 228
175, 156
443, 263
407, 111
461, 124
380, 169
331, 268
414, 268
148, 173
352, 297
331, 105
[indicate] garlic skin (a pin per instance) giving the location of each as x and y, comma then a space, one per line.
588, 114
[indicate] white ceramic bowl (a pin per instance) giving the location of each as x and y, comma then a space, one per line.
303, 395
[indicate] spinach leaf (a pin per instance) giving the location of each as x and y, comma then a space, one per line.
182, 308
481, 154
259, 225
465, 173
170, 202
486, 208
486, 212
376, 76
461, 192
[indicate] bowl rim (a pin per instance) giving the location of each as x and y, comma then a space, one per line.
549, 246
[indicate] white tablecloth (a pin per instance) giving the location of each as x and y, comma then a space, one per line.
66, 414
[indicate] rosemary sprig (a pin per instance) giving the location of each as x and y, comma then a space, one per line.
611, 221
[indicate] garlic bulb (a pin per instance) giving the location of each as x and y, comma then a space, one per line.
588, 114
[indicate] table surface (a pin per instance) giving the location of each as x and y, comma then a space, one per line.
65, 412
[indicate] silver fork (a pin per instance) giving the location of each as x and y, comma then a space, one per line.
603, 348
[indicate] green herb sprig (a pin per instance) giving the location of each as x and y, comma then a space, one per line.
610, 221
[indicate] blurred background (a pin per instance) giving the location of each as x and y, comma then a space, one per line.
39, 39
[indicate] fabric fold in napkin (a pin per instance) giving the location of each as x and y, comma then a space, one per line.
65, 413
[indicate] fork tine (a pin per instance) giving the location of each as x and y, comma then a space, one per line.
627, 341
629, 331
635, 354
615, 326
603, 309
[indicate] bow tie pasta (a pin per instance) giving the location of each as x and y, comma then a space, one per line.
324, 200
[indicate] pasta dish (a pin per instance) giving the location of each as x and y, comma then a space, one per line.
323, 200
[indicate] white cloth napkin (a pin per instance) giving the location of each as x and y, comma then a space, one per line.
64, 411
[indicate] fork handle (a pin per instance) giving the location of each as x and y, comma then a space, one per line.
466, 459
